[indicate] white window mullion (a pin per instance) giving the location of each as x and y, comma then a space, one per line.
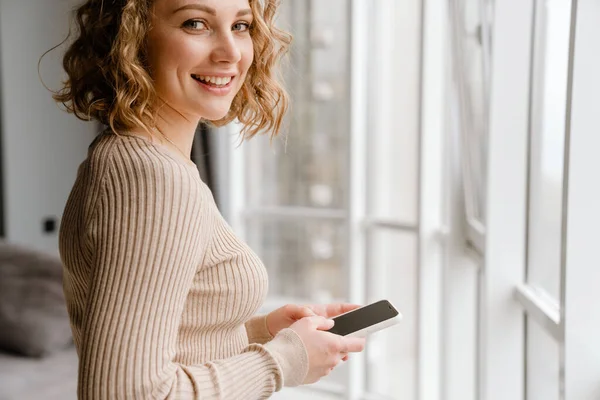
431, 251
359, 45
502, 327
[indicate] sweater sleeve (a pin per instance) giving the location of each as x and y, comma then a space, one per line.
257, 330
146, 237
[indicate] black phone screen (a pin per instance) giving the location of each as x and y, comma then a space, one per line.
363, 317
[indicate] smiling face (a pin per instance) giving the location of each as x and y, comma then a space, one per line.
199, 53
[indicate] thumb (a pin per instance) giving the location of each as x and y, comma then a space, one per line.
322, 323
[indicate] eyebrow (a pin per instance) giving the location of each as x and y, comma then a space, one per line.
210, 10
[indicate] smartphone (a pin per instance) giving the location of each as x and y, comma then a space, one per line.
366, 320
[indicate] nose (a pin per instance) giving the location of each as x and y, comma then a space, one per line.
226, 49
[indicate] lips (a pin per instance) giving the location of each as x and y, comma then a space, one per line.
217, 86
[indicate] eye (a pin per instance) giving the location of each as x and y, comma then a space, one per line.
241, 27
195, 25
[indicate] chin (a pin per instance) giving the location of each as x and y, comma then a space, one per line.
213, 113
216, 114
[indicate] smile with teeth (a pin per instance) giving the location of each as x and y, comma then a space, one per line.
213, 80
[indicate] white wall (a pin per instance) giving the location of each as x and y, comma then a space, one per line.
41, 145
581, 352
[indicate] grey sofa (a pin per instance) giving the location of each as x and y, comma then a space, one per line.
37, 356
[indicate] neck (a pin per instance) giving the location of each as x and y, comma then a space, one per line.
179, 128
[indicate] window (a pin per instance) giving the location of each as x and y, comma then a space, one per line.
546, 189
332, 207
548, 124
543, 204
392, 356
471, 55
296, 188
392, 194
353, 207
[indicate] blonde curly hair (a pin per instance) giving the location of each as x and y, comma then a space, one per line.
108, 78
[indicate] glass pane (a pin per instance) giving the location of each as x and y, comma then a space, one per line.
543, 364
307, 165
305, 259
547, 145
394, 99
392, 353
471, 69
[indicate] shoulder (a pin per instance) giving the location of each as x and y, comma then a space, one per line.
132, 171
137, 158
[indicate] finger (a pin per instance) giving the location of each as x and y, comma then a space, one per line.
322, 323
345, 358
299, 312
353, 345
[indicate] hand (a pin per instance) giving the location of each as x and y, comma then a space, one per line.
333, 310
325, 350
285, 316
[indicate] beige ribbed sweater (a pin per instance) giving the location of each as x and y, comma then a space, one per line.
160, 292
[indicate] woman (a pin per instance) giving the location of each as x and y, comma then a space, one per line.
161, 294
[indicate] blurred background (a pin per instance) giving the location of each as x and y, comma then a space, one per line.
441, 154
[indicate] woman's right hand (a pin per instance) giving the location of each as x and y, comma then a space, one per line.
325, 350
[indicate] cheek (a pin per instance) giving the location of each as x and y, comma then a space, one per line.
247, 50
170, 53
